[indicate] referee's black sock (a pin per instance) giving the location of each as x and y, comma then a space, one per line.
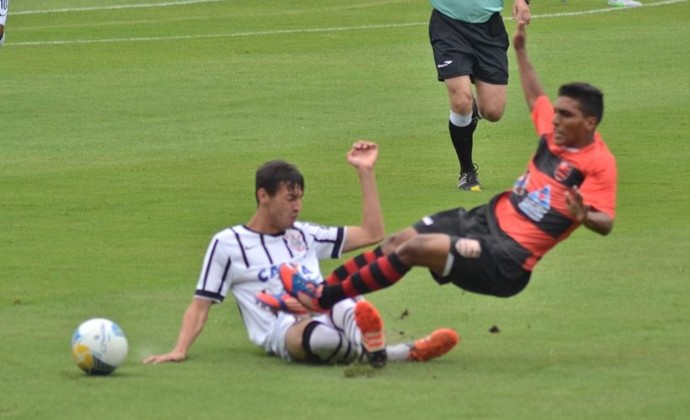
462, 138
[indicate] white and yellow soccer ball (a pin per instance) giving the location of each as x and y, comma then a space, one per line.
99, 346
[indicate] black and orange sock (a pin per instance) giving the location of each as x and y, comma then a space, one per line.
353, 265
383, 272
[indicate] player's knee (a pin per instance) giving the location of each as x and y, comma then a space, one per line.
392, 242
461, 104
460, 100
324, 344
492, 113
413, 250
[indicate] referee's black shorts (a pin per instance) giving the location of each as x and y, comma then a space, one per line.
497, 271
478, 50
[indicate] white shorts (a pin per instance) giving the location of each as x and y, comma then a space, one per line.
275, 343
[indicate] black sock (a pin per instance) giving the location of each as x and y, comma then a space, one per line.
462, 138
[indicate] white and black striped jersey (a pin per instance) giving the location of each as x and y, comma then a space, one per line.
246, 262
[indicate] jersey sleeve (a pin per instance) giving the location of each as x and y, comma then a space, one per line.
542, 115
600, 187
213, 283
327, 241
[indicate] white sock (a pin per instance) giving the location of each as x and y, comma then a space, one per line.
398, 352
343, 318
460, 120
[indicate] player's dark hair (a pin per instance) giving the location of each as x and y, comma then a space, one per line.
590, 98
276, 172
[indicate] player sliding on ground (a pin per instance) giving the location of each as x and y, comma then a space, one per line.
245, 259
570, 181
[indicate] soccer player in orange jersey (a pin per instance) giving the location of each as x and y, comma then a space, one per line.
491, 249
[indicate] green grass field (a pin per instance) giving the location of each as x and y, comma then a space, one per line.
130, 135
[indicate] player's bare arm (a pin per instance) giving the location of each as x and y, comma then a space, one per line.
528, 76
363, 156
192, 324
596, 221
521, 12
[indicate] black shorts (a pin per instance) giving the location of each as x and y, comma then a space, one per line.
498, 270
478, 50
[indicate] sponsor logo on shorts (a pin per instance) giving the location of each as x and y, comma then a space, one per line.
445, 64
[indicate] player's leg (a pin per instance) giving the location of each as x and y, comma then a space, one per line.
491, 68
491, 100
352, 331
429, 251
353, 265
451, 43
363, 325
315, 340
461, 126
4, 6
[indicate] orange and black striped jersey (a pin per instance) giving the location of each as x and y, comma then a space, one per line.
534, 212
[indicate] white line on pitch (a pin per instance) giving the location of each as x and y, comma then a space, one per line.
294, 31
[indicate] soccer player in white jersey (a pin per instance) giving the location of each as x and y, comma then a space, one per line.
245, 259
4, 5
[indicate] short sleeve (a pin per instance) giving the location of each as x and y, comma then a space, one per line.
600, 186
542, 115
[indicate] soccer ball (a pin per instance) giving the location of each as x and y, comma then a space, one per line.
99, 346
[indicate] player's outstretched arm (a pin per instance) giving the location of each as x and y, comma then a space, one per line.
596, 221
192, 324
528, 76
363, 156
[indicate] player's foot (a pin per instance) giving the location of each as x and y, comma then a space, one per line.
307, 292
373, 338
624, 3
469, 180
280, 302
434, 345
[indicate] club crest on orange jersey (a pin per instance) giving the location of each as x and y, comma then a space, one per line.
563, 171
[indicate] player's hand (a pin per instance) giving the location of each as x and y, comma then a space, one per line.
575, 204
520, 37
521, 12
173, 356
363, 154
469, 248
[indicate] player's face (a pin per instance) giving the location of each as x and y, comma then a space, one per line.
284, 207
571, 127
